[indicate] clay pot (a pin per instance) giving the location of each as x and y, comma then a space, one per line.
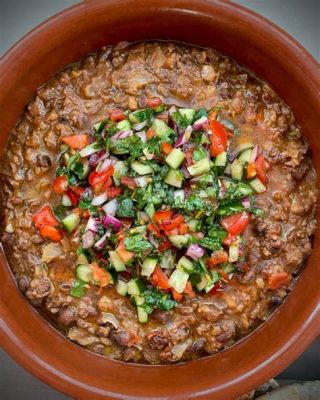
271, 54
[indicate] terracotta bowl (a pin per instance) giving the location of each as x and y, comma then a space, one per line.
271, 54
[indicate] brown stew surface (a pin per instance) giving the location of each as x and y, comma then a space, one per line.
233, 281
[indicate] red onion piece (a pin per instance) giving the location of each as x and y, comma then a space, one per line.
185, 172
89, 150
153, 241
99, 245
105, 164
142, 135
101, 199
141, 125
88, 239
199, 123
254, 154
111, 207
245, 202
122, 135
184, 137
109, 220
195, 251
93, 224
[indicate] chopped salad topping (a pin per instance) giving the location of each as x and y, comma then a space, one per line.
160, 203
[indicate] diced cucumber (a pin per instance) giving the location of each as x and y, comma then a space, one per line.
141, 169
65, 201
234, 252
135, 286
122, 287
149, 156
138, 300
236, 170
184, 264
150, 210
174, 178
137, 229
98, 126
203, 282
139, 116
204, 139
70, 222
161, 129
257, 185
179, 241
168, 260
148, 266
124, 125
178, 280
179, 195
116, 261
82, 259
245, 156
120, 169
212, 277
244, 146
142, 315
175, 158
228, 268
188, 114
221, 159
194, 225
200, 167
142, 217
85, 170
244, 189
84, 273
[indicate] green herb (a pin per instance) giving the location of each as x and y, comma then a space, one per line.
60, 211
125, 208
86, 203
214, 239
131, 144
61, 171
181, 121
202, 112
156, 299
78, 288
199, 154
230, 208
137, 244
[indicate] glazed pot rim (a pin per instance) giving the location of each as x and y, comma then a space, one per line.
15, 344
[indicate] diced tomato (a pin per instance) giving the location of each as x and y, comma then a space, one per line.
100, 275
77, 142
113, 192
150, 133
60, 184
117, 116
215, 290
279, 279
44, 217
251, 171
78, 190
159, 278
176, 295
218, 257
129, 182
218, 138
224, 275
183, 229
228, 240
166, 148
152, 228
162, 216
262, 166
51, 232
174, 223
189, 291
153, 102
164, 245
236, 223
74, 197
98, 179
121, 234
124, 254
107, 184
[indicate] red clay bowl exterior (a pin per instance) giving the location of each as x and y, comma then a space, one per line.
252, 41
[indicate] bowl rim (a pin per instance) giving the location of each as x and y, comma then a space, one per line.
15, 346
